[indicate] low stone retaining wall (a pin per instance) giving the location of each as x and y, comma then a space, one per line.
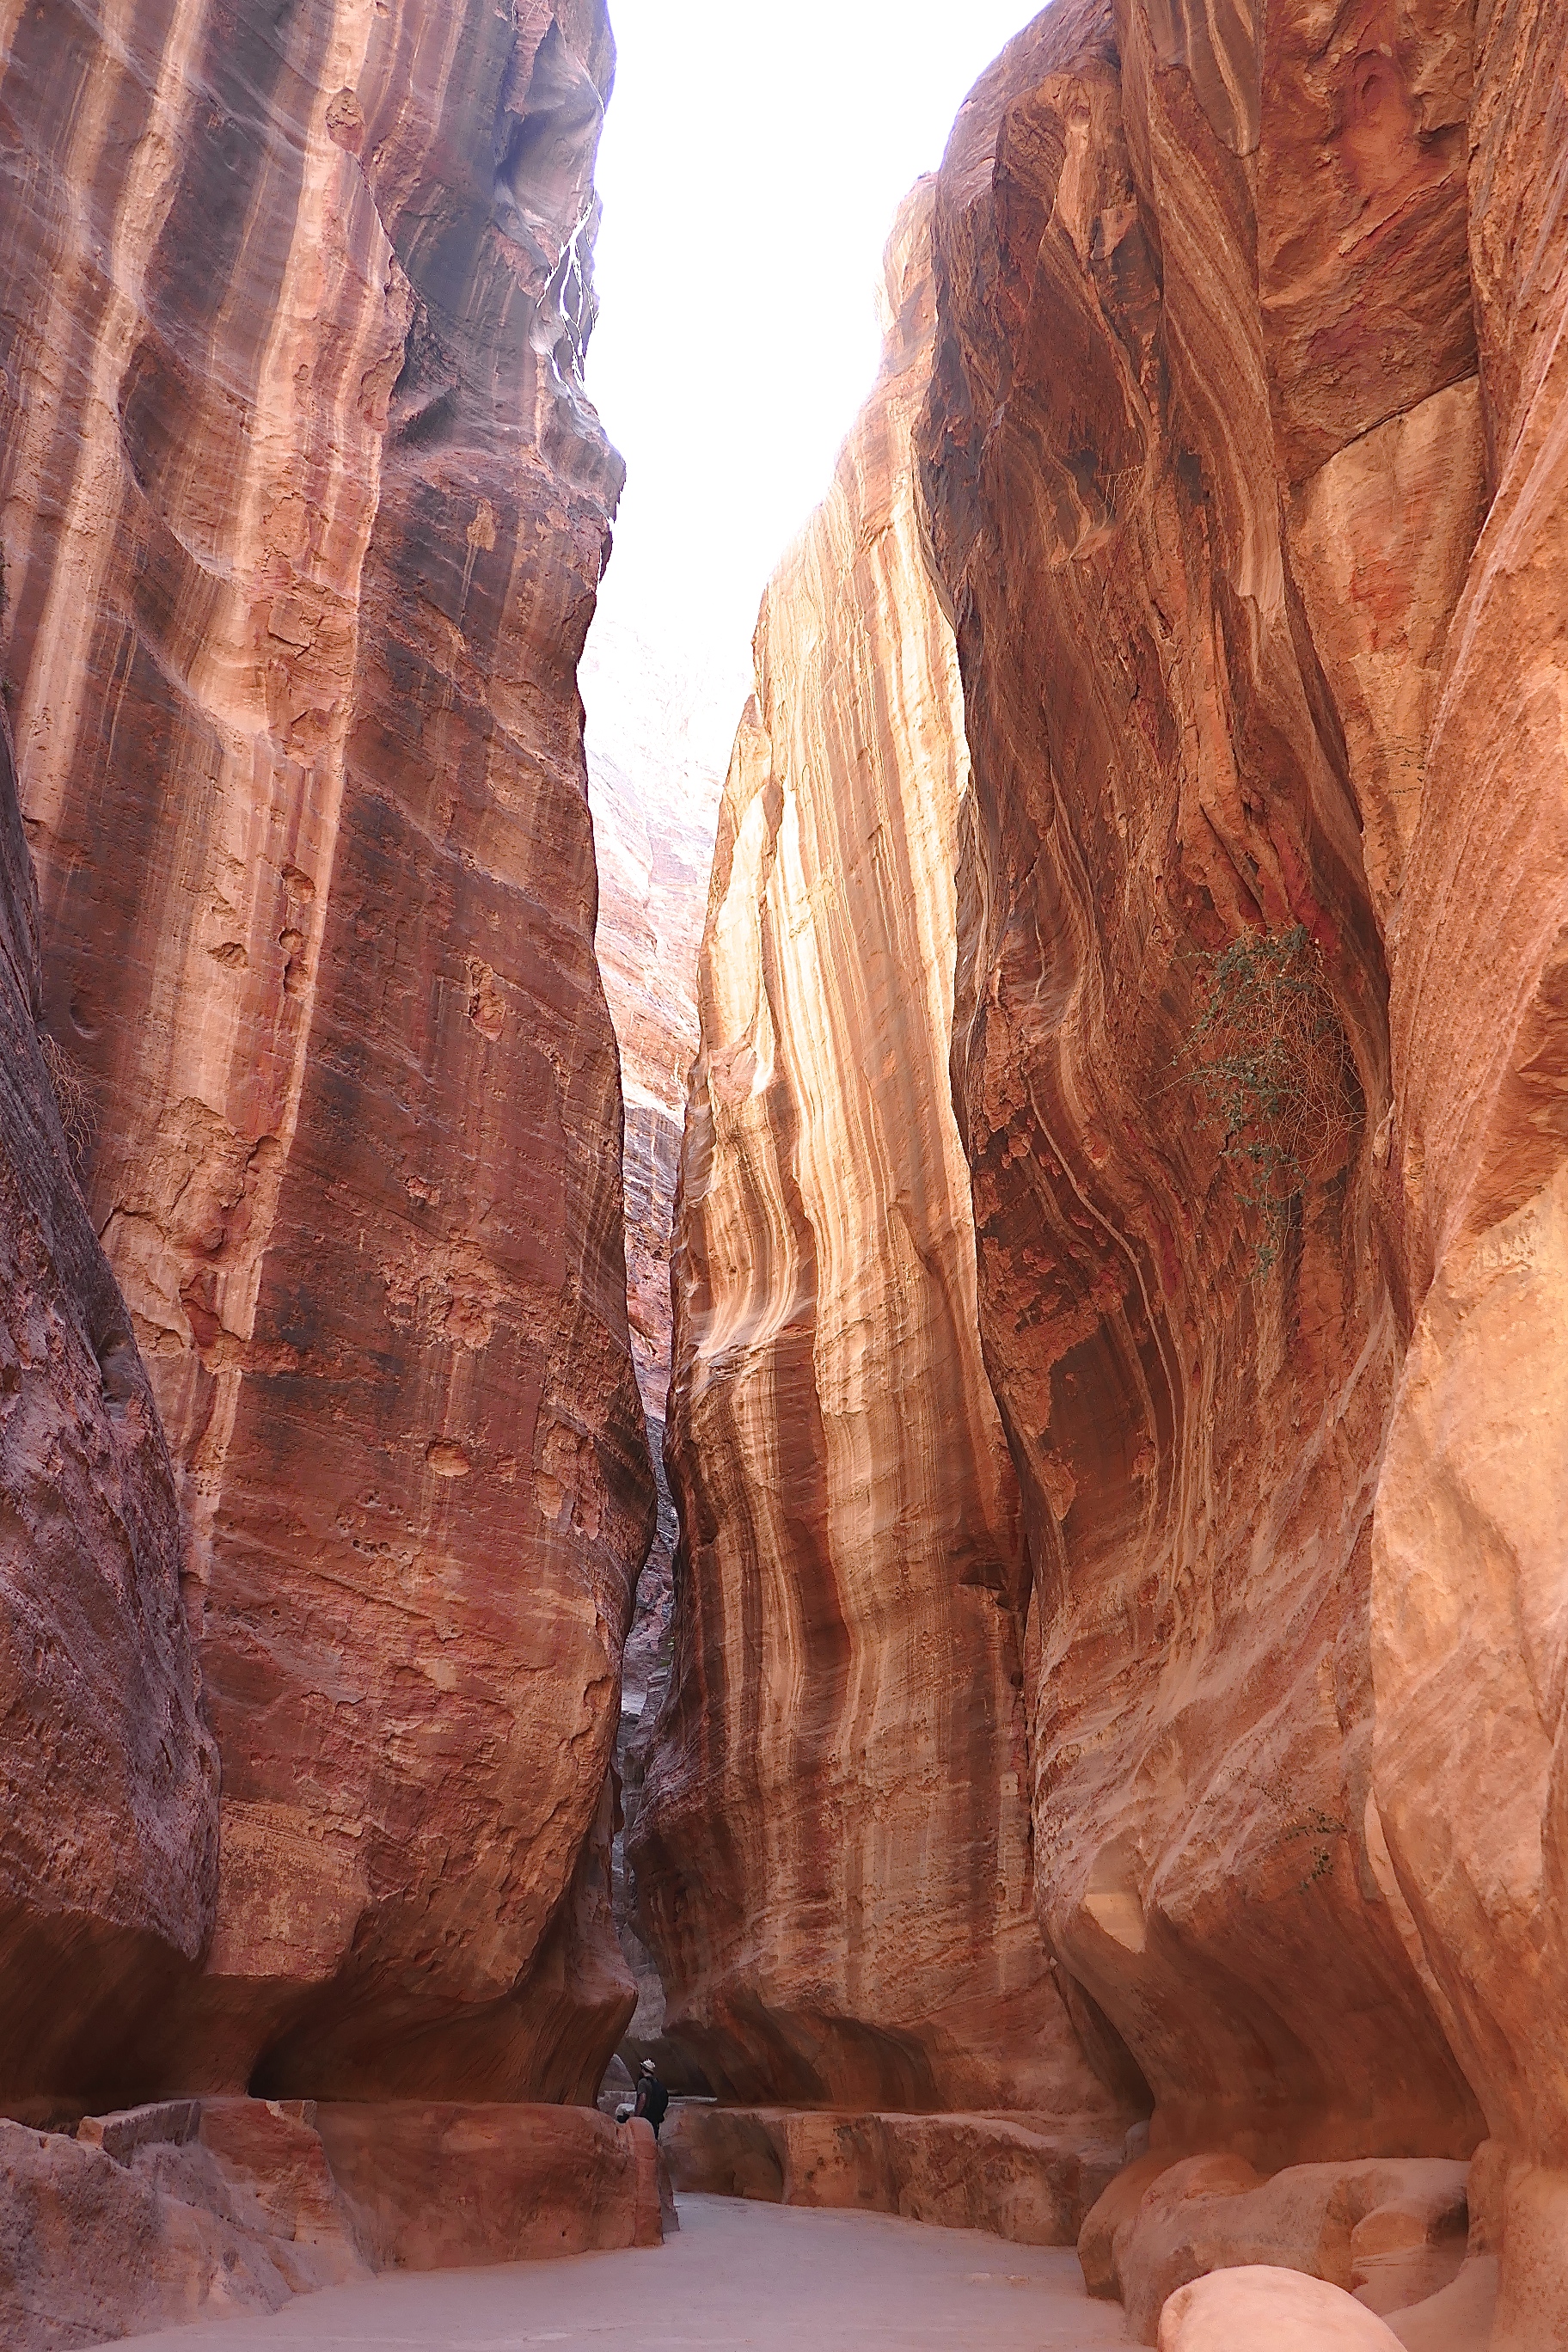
1005, 2174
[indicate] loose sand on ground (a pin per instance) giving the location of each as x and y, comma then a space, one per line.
769, 2278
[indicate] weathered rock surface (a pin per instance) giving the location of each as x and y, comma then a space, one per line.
1014, 2176
205, 2209
439, 2187
107, 1774
191, 2211
303, 513
833, 1855
1247, 479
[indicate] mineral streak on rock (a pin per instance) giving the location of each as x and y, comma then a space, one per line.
833, 1856
1248, 479
303, 513
107, 1774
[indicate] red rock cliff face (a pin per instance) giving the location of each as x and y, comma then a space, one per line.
303, 514
1247, 469
109, 1819
833, 1857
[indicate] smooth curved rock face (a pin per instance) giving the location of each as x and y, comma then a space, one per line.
107, 1774
833, 1856
1470, 1630
303, 514
1247, 476
1235, 2310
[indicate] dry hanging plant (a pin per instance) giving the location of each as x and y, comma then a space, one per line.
1267, 1058
72, 1096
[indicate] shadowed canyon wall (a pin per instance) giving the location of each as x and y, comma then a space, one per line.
1245, 463
302, 514
108, 1826
833, 1857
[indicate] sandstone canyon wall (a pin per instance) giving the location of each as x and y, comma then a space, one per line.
1246, 468
302, 515
109, 1819
833, 1858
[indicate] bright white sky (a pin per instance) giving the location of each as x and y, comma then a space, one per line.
753, 157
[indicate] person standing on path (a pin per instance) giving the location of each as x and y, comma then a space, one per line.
652, 2096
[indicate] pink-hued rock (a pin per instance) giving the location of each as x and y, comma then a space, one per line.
1259, 2309
108, 1774
304, 512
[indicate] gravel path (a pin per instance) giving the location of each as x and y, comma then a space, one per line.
739, 2278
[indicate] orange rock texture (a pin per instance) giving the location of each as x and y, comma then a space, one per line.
1246, 471
833, 1855
303, 513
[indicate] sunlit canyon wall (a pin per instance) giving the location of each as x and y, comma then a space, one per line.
302, 515
833, 1857
1247, 465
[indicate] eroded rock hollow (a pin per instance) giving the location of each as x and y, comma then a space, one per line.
303, 513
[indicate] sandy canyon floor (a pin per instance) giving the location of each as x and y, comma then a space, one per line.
739, 2275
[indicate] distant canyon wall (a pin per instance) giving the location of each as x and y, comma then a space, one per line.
1247, 467
655, 793
833, 1856
302, 513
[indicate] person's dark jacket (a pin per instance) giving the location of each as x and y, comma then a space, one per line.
652, 2101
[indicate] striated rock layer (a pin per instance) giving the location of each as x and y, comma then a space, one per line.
302, 516
1247, 476
833, 1855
